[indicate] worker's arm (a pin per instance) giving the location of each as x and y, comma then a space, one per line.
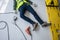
35, 5
15, 4
30, 1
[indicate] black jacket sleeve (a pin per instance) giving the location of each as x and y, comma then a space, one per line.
30, 1
15, 5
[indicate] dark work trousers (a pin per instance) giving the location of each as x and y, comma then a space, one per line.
27, 7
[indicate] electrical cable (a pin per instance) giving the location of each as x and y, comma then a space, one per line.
6, 25
21, 31
31, 37
15, 18
19, 28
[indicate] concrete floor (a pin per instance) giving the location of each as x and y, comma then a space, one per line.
15, 33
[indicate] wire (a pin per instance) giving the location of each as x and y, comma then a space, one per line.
21, 31
31, 37
6, 25
15, 18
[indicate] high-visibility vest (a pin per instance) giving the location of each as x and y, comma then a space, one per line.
20, 3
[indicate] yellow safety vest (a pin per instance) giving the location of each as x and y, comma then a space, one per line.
20, 3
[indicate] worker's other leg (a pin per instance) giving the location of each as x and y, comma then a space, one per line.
22, 12
30, 9
37, 17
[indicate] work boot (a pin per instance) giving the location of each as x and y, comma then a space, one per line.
45, 24
35, 25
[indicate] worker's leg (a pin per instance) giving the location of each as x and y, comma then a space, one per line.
30, 9
44, 24
22, 12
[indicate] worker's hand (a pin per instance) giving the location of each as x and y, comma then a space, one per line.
35, 5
